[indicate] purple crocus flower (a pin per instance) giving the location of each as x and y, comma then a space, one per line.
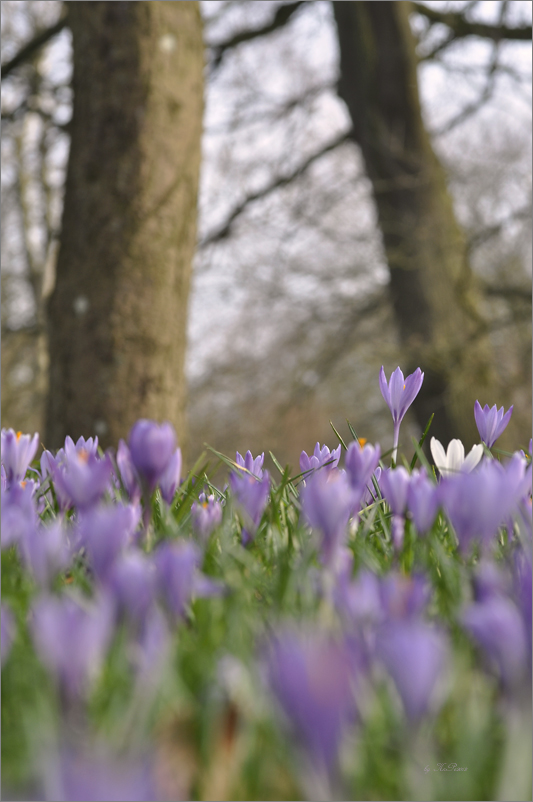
89, 446
497, 626
478, 503
312, 679
491, 422
178, 576
99, 776
71, 637
422, 501
327, 502
489, 581
18, 514
151, 448
170, 479
18, 450
131, 581
359, 601
414, 655
522, 583
7, 632
82, 479
206, 515
404, 597
399, 394
128, 474
252, 497
394, 484
44, 551
254, 466
360, 463
105, 532
152, 650
321, 457
49, 462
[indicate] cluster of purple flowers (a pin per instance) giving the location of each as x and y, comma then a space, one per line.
84, 512
80, 511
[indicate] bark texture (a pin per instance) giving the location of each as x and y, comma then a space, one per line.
117, 315
432, 288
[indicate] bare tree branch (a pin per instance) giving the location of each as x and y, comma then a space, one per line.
508, 291
472, 108
281, 17
27, 51
486, 234
462, 27
279, 181
277, 113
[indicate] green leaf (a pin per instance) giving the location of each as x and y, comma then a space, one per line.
418, 450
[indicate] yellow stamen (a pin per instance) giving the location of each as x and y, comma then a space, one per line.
83, 455
23, 484
362, 441
19, 435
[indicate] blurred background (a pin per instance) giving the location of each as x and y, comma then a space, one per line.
347, 218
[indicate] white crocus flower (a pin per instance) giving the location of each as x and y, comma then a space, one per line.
454, 460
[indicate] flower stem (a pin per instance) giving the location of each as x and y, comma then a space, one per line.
395, 442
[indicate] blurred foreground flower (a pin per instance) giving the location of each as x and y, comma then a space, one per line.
81, 479
151, 448
18, 450
360, 463
7, 632
105, 531
206, 514
71, 636
497, 626
423, 500
178, 575
19, 516
169, 481
327, 502
478, 503
414, 655
100, 776
252, 496
491, 422
311, 676
394, 484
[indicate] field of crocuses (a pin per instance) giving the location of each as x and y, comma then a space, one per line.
357, 629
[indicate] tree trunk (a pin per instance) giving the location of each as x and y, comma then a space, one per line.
431, 284
117, 316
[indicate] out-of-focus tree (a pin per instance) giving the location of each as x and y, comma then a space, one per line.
291, 306
443, 310
117, 313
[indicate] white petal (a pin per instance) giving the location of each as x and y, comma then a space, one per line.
473, 457
438, 454
455, 456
